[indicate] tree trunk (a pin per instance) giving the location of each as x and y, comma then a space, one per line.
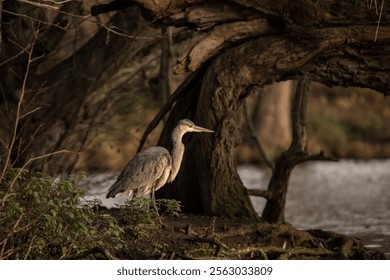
297, 153
208, 182
222, 190
271, 116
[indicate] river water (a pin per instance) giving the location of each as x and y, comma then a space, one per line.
349, 197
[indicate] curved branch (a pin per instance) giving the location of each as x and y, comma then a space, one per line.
209, 14
180, 92
301, 58
303, 12
217, 40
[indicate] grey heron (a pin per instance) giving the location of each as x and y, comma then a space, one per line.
152, 168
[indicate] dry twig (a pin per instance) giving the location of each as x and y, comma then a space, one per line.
19, 106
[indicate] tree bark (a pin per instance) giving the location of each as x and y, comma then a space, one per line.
325, 41
322, 39
208, 181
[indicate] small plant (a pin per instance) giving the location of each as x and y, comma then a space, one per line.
169, 207
42, 218
140, 211
137, 211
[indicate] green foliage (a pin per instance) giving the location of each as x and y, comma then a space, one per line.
169, 207
45, 218
140, 211
137, 211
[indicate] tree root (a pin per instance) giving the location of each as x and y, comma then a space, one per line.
282, 242
258, 252
220, 246
93, 251
199, 237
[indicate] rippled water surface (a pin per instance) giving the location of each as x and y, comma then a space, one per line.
350, 197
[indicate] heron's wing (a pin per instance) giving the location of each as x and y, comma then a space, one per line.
145, 168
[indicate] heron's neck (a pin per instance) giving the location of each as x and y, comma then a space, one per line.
177, 152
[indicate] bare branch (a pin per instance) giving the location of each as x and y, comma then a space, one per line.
262, 193
33, 159
379, 21
30, 112
320, 156
36, 20
112, 29
13, 230
18, 108
29, 247
29, 142
52, 6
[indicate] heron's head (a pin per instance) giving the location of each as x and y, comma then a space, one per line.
188, 126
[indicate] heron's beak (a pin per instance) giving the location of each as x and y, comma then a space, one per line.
202, 129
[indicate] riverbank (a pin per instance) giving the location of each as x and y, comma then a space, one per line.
198, 237
347, 197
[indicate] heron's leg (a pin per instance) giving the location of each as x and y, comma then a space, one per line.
155, 206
